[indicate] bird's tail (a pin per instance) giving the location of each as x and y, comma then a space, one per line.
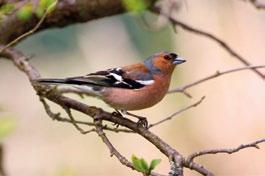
90, 89
52, 81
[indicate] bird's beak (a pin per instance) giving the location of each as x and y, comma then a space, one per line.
178, 60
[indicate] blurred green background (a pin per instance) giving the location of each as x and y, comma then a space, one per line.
232, 114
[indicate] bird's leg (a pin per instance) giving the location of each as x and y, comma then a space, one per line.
142, 121
117, 113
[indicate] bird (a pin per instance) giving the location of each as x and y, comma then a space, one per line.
128, 88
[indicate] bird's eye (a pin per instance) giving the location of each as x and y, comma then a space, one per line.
173, 55
167, 57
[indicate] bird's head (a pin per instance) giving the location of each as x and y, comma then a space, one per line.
164, 62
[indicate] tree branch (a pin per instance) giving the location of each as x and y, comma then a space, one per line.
68, 111
254, 144
67, 12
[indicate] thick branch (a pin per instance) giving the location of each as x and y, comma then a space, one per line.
67, 12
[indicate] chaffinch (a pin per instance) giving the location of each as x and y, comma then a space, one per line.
127, 88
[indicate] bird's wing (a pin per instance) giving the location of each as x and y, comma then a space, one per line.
133, 77
127, 78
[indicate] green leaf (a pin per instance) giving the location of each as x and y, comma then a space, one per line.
25, 12
144, 165
137, 164
52, 6
154, 163
7, 8
7, 125
39, 11
46, 3
135, 5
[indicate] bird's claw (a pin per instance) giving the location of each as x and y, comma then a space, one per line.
117, 114
142, 122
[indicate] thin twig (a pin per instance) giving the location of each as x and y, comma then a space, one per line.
228, 151
69, 113
216, 74
36, 27
113, 150
218, 40
54, 116
177, 112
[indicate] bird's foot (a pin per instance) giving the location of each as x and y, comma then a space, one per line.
142, 122
117, 114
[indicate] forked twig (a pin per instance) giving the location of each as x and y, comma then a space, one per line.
69, 113
254, 144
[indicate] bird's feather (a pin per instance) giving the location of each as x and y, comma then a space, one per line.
115, 77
